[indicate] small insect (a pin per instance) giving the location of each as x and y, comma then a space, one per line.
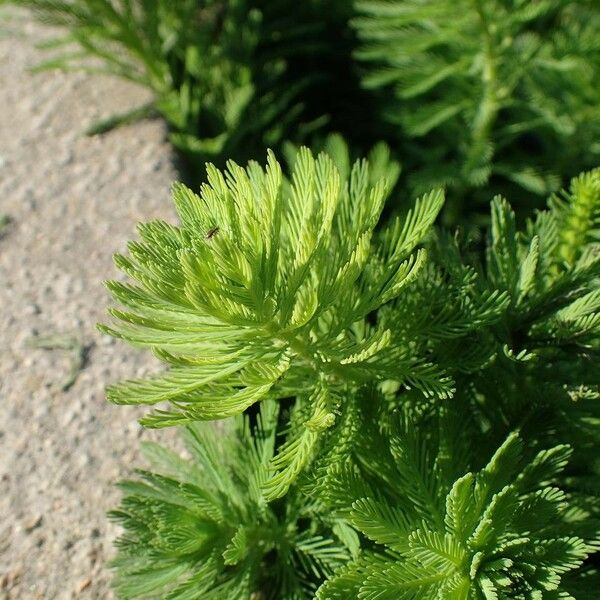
212, 232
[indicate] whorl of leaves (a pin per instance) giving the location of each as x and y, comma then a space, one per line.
264, 291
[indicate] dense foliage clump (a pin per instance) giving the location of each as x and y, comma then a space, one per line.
201, 528
437, 406
229, 78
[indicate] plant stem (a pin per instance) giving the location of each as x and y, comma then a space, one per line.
488, 108
483, 122
146, 111
303, 349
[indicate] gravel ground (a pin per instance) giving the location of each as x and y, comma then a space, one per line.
72, 202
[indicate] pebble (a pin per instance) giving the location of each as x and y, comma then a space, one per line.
84, 585
32, 523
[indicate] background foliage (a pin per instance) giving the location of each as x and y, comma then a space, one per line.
230, 78
496, 92
478, 97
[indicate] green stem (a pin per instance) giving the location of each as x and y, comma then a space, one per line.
488, 108
302, 349
484, 119
146, 111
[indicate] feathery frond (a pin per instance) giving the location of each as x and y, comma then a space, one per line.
201, 528
265, 290
501, 532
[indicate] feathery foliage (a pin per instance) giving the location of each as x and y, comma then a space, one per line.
504, 531
265, 291
499, 91
544, 377
382, 165
195, 58
369, 371
201, 527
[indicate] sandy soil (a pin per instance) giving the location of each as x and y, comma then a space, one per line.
72, 202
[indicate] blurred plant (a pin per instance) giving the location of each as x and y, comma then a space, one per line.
5, 221
477, 97
501, 93
226, 76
